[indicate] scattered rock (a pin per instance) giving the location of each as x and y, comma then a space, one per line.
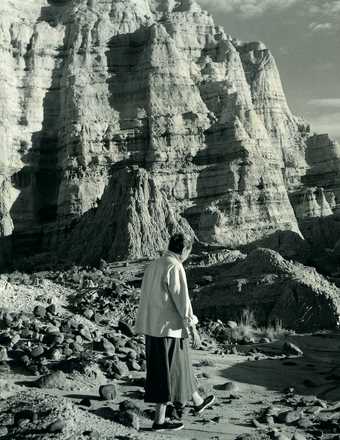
108, 392
39, 311
133, 365
288, 417
304, 423
291, 349
52, 309
125, 328
130, 419
37, 351
85, 333
119, 368
3, 354
57, 426
298, 436
108, 347
265, 341
3, 431
88, 313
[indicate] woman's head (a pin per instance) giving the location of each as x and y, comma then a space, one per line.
180, 245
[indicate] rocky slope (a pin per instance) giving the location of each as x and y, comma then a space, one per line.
106, 105
272, 289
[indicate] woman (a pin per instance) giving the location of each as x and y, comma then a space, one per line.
166, 319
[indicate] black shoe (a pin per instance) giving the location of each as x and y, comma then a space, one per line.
167, 426
206, 402
173, 413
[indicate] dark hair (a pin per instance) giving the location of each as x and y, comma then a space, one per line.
178, 242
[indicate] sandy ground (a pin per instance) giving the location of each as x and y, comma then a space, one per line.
258, 384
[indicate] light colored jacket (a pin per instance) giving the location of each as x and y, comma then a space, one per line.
165, 308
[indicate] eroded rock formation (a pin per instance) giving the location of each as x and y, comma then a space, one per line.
90, 88
274, 289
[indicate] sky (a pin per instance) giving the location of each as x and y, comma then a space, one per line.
304, 37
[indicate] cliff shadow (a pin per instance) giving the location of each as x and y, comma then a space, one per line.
39, 180
316, 373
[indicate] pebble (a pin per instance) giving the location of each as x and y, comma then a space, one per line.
57, 426
15, 339
281, 436
3, 431
39, 311
265, 341
88, 313
85, 333
67, 352
108, 347
304, 423
125, 328
3, 354
298, 436
133, 365
37, 351
133, 354
120, 368
26, 333
288, 417
56, 355
130, 419
108, 392
291, 349
75, 347
52, 309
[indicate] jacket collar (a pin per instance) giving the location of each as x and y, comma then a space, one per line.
172, 254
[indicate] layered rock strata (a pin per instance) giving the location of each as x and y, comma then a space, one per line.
90, 88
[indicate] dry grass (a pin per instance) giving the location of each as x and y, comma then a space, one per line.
246, 330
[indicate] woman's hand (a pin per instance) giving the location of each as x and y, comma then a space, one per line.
196, 339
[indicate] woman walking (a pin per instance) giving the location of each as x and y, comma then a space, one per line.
166, 318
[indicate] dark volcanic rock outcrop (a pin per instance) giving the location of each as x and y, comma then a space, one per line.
90, 88
275, 290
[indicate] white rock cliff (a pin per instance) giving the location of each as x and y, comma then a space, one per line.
134, 118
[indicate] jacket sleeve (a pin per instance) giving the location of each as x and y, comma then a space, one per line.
178, 290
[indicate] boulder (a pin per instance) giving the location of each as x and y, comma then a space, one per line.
108, 392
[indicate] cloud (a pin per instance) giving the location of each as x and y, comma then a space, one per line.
246, 8
324, 8
325, 102
317, 27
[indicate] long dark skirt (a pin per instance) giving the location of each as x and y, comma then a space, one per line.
169, 373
